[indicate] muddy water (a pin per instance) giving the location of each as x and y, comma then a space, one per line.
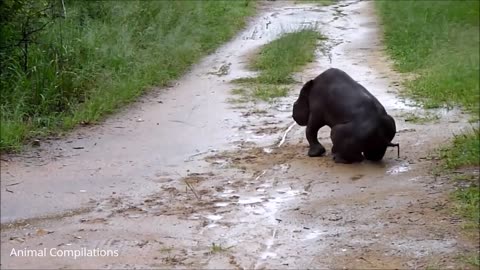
186, 179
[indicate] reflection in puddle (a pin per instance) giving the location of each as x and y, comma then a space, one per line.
405, 167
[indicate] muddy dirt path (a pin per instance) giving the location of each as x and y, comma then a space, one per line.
187, 179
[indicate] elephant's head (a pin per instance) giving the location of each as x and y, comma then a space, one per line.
301, 108
383, 139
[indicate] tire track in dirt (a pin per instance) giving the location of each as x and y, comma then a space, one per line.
252, 198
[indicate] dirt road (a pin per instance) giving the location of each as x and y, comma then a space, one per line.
185, 178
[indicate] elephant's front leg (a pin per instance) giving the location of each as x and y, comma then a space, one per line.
316, 149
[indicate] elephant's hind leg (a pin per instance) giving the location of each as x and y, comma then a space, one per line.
316, 148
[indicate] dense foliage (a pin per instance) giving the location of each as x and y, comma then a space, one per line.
64, 62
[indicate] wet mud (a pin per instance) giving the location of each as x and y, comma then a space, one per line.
185, 178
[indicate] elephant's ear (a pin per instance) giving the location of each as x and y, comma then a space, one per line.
301, 108
305, 91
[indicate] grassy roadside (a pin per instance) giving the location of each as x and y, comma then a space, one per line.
277, 61
100, 56
439, 41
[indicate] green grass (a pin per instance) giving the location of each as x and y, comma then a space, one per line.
464, 151
469, 206
241, 96
463, 155
218, 248
252, 91
473, 259
269, 92
420, 119
104, 55
439, 41
277, 61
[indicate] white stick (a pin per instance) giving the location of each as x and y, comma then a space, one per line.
285, 134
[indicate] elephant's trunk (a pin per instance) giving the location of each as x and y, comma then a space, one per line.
395, 145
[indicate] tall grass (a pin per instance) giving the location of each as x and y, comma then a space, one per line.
103, 55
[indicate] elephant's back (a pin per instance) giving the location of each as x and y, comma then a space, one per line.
341, 99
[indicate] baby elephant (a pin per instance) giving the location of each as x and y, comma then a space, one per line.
359, 123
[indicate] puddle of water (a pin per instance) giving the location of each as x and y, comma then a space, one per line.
284, 115
214, 217
282, 167
313, 235
265, 185
256, 137
404, 167
269, 210
282, 107
212, 225
415, 179
251, 200
268, 254
222, 204
267, 150
228, 193
194, 217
